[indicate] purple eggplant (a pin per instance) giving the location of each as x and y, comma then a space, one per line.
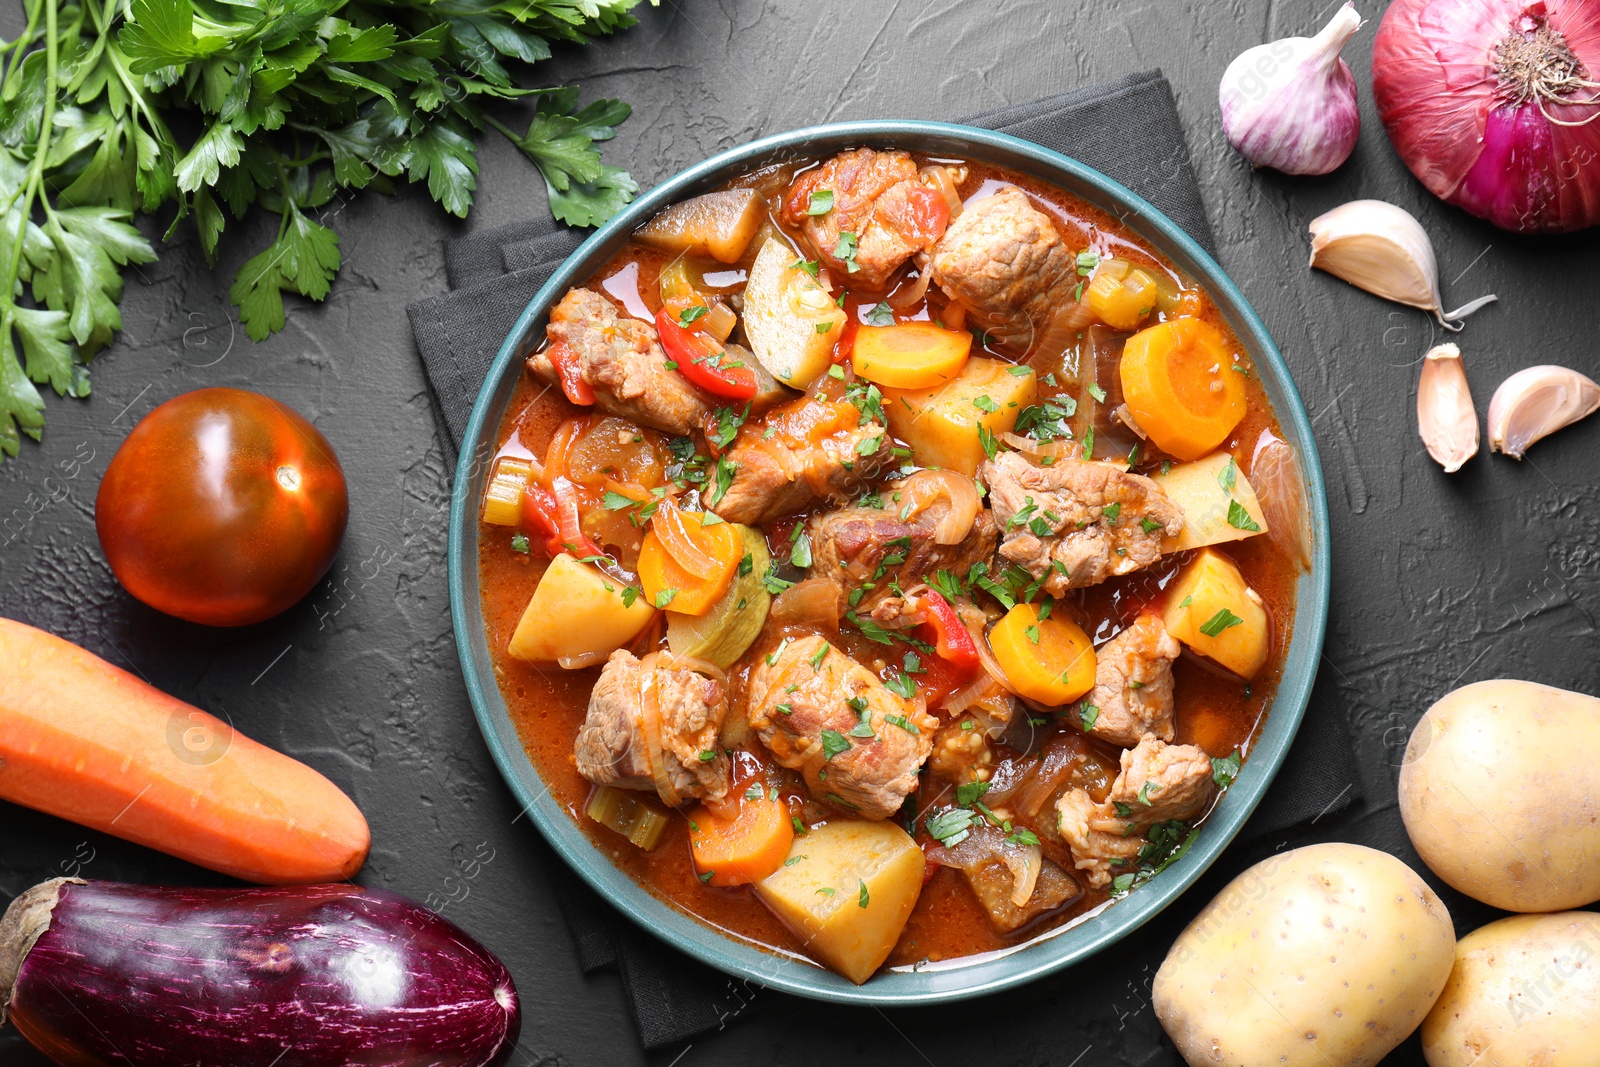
102, 974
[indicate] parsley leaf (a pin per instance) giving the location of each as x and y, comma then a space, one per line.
880, 315
1240, 519
1224, 769
833, 743
1219, 622
821, 202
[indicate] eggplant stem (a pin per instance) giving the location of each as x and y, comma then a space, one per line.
24, 922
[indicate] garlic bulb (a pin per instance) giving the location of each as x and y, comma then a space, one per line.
1446, 418
1381, 248
1535, 403
1291, 104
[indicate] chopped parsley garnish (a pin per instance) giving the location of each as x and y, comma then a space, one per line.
792, 860
705, 876
825, 327
1219, 622
901, 721
870, 628
810, 266
1088, 442
826, 891
629, 595
519, 543
724, 478
912, 664
983, 403
986, 438
1240, 519
1033, 634
816, 658
967, 793
1019, 370
688, 315
868, 445
1187, 601
1110, 513
839, 800
821, 202
1144, 793
863, 711
754, 792
1087, 262
800, 555
772, 582
707, 755
880, 315
1224, 769
786, 708
864, 897
664, 597
951, 826
1098, 393
833, 743
845, 251
727, 428
1047, 420
903, 686
1228, 477
1024, 837
772, 657
1087, 714
1150, 525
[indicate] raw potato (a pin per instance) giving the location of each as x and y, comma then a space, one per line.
818, 892
1500, 792
576, 617
1328, 954
789, 318
941, 423
1197, 490
1208, 585
1525, 990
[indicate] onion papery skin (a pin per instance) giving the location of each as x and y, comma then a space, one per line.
1437, 87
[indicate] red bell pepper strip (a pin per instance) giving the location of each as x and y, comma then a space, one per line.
569, 368
702, 362
951, 638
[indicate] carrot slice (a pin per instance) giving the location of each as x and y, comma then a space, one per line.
910, 355
1049, 660
671, 584
747, 847
1179, 382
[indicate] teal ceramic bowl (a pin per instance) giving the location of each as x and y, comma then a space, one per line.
969, 977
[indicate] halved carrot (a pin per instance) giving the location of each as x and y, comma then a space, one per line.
1179, 382
1050, 660
910, 355
747, 847
90, 743
692, 578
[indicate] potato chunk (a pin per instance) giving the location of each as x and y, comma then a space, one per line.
789, 318
941, 423
1211, 609
576, 617
847, 889
717, 224
1212, 514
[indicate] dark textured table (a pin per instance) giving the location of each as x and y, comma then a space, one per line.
1438, 580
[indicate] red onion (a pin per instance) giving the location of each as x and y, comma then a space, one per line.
1492, 104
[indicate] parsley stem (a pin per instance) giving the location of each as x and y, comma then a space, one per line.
36, 172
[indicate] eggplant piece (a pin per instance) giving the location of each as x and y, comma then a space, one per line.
103, 974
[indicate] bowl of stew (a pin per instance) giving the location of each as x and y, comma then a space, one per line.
888, 561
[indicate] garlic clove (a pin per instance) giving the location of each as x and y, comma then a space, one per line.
1446, 418
1535, 403
1376, 246
1291, 104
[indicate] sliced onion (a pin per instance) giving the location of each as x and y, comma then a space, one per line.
1123, 415
1275, 477
673, 532
905, 295
942, 180
650, 730
985, 845
813, 602
1023, 861
924, 489
582, 660
1060, 449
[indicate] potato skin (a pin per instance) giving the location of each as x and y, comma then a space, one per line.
1500, 793
1328, 954
1525, 990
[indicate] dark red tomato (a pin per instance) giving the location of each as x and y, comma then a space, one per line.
222, 507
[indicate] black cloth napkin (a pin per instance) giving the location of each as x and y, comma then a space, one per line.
1127, 129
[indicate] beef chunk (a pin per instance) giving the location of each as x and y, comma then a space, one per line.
1133, 684
611, 748
1003, 260
808, 703
1158, 783
1079, 521
818, 450
622, 361
877, 197
872, 550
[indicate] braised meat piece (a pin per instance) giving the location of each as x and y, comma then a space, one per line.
1133, 684
1013, 881
879, 201
1003, 260
1079, 521
818, 711
635, 700
1158, 783
817, 449
876, 551
621, 360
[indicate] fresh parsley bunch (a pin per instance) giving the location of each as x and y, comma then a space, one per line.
211, 108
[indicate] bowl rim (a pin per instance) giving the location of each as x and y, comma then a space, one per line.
1065, 945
